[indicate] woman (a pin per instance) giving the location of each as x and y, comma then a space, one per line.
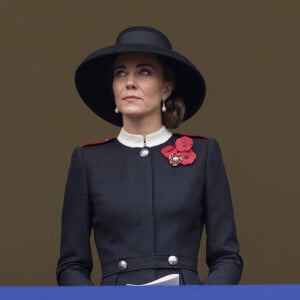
147, 193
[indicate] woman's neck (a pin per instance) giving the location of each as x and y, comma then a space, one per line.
142, 127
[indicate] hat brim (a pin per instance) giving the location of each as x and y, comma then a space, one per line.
93, 80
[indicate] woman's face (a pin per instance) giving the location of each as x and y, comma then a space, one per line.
139, 85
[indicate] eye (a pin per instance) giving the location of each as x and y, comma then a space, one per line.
145, 72
120, 73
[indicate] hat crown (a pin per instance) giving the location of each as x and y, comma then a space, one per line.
144, 35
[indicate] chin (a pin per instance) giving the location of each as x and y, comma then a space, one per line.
133, 111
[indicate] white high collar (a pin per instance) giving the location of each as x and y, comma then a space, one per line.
149, 140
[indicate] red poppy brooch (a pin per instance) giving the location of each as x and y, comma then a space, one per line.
181, 153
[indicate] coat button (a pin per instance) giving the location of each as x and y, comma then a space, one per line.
144, 152
122, 265
173, 260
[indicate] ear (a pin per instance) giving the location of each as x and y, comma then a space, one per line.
167, 91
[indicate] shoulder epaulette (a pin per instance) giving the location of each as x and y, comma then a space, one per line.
98, 143
192, 135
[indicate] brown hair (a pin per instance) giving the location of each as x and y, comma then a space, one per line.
175, 107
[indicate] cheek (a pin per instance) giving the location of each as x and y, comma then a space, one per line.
154, 89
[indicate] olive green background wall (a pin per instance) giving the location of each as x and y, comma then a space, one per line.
248, 51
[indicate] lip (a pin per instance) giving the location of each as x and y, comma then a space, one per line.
130, 97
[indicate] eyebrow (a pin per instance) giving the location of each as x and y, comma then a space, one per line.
145, 65
138, 66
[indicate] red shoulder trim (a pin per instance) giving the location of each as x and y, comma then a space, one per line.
98, 143
192, 135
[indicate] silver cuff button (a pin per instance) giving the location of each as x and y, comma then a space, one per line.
173, 260
122, 265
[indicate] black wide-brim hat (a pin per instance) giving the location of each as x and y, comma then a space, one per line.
93, 77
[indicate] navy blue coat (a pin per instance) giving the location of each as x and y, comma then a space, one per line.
142, 211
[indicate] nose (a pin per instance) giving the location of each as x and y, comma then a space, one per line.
131, 83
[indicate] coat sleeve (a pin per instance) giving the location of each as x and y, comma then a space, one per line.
75, 262
222, 247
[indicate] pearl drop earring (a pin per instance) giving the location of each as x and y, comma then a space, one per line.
116, 110
163, 108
